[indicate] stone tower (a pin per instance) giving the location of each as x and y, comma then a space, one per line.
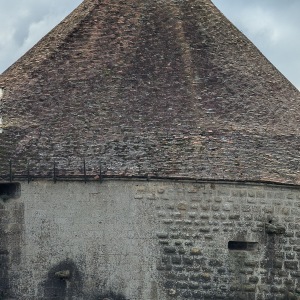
148, 151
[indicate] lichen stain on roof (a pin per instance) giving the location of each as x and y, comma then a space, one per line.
164, 88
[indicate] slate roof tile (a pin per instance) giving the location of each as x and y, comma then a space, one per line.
164, 88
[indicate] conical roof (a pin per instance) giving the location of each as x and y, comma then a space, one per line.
162, 88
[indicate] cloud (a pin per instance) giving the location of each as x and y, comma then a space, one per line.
273, 26
262, 24
24, 23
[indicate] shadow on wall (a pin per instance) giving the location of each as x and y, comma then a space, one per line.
63, 282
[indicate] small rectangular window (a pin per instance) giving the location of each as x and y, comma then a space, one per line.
10, 190
242, 246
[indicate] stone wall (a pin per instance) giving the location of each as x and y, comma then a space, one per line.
155, 240
11, 237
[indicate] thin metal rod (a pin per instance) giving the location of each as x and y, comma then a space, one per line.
28, 172
54, 172
84, 171
10, 171
100, 174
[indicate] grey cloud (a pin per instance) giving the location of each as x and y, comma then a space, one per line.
273, 26
23, 23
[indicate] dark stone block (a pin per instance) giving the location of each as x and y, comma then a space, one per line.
187, 294
221, 270
205, 277
215, 263
193, 285
291, 265
170, 250
189, 243
204, 230
241, 296
290, 255
252, 296
169, 284
188, 260
165, 259
195, 277
253, 279
176, 259
193, 269
200, 261
274, 228
278, 264
162, 235
181, 250
206, 286
295, 274
251, 263
164, 242
160, 267
181, 285
294, 241
171, 275
182, 277
198, 295
175, 236
163, 267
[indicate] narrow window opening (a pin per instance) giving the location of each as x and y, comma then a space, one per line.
242, 246
9, 191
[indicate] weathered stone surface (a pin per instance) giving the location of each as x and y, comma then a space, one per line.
274, 228
65, 274
195, 251
292, 265
154, 89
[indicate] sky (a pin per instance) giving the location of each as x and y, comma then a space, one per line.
272, 25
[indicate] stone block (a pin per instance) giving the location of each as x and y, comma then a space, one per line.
290, 255
205, 277
291, 265
195, 251
169, 284
182, 285
193, 285
249, 288
181, 250
169, 250
253, 279
176, 259
187, 260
